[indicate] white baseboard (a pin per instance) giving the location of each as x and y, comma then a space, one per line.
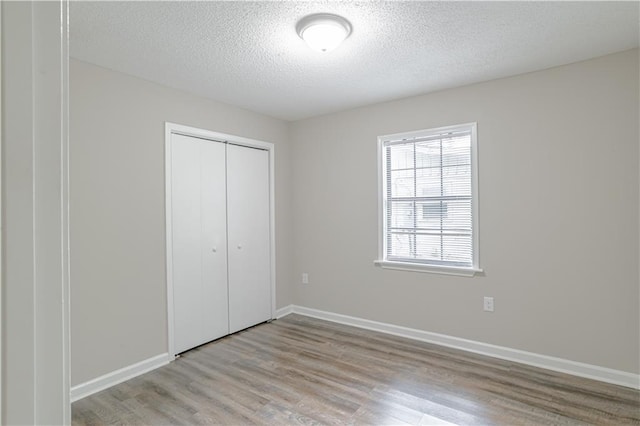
580, 369
283, 312
111, 379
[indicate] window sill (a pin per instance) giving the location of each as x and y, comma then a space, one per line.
415, 267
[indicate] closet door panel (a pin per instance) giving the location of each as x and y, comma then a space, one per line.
213, 196
186, 216
198, 226
249, 240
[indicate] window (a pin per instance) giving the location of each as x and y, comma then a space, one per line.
428, 200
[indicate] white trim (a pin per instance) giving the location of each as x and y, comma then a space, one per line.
435, 269
35, 359
284, 311
171, 128
575, 368
272, 225
543, 361
475, 199
1, 227
417, 134
216, 136
382, 190
111, 379
168, 236
66, 237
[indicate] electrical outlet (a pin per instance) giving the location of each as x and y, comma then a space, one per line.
488, 304
305, 278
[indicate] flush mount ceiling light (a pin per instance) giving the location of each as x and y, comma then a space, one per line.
323, 31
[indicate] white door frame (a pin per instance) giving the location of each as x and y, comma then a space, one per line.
172, 128
35, 254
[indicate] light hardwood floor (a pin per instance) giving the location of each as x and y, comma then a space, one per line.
299, 370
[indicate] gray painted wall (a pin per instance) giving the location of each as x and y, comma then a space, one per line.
558, 166
118, 280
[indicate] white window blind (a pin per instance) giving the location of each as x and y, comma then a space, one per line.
428, 197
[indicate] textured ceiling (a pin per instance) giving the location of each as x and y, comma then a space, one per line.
248, 53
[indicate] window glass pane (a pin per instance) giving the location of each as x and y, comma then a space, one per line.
456, 180
402, 184
457, 249
456, 151
428, 247
457, 215
428, 182
401, 245
429, 214
428, 154
402, 214
401, 156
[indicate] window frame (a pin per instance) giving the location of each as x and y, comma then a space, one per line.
382, 260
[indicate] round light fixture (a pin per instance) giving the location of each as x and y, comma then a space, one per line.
323, 31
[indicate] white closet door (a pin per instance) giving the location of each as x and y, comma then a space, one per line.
249, 241
198, 191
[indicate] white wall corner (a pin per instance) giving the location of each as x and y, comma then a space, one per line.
111, 379
575, 368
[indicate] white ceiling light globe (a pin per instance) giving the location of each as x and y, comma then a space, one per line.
324, 37
323, 32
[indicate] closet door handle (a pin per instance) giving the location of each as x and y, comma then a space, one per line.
215, 249
239, 246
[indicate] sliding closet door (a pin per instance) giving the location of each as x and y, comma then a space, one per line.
249, 241
199, 244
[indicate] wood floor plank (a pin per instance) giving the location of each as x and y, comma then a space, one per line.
303, 371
